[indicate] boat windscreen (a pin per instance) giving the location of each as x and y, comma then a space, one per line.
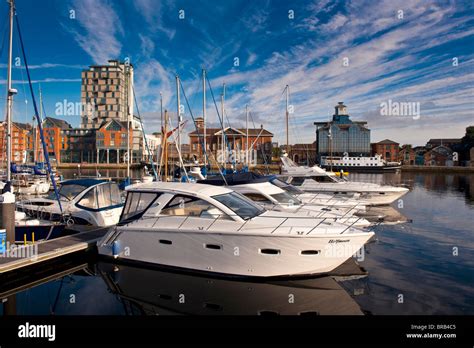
69, 191
288, 188
240, 205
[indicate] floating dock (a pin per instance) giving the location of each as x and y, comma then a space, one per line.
50, 250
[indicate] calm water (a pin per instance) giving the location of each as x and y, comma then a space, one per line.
422, 267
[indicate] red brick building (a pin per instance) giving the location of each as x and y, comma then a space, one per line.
304, 154
21, 139
439, 156
388, 149
406, 155
260, 141
111, 142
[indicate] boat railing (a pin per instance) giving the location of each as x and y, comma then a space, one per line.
246, 222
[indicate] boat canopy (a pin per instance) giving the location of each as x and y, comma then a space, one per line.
237, 179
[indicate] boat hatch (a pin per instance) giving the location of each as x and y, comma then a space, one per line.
101, 197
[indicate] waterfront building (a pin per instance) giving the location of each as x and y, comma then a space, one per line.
154, 143
341, 136
304, 154
56, 137
20, 142
106, 94
439, 156
260, 143
387, 149
448, 142
406, 155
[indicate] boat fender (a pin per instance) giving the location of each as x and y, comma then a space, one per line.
116, 249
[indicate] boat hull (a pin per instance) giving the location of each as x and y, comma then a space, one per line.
372, 197
362, 169
234, 254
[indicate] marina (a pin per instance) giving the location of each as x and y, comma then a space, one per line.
314, 165
372, 282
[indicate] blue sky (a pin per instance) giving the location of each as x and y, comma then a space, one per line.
407, 59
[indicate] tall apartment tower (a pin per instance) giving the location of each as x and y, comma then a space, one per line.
106, 94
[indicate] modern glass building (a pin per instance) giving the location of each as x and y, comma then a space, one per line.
342, 136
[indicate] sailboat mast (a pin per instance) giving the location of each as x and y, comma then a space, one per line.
223, 135
178, 102
161, 111
287, 121
204, 116
247, 135
10, 93
166, 145
128, 144
41, 107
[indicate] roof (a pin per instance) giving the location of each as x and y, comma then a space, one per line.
237, 179
25, 126
179, 187
104, 124
83, 182
387, 141
447, 140
252, 131
58, 123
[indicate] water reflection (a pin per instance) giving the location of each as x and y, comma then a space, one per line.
152, 292
107, 288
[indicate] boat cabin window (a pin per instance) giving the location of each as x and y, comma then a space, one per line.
286, 198
297, 181
137, 203
182, 205
240, 205
323, 178
105, 196
257, 197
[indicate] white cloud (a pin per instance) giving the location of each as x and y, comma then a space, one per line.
100, 29
152, 11
251, 58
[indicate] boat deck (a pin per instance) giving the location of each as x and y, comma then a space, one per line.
51, 249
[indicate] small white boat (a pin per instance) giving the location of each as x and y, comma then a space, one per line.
90, 202
28, 184
215, 229
315, 179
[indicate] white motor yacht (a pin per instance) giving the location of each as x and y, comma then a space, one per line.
214, 229
315, 179
90, 202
